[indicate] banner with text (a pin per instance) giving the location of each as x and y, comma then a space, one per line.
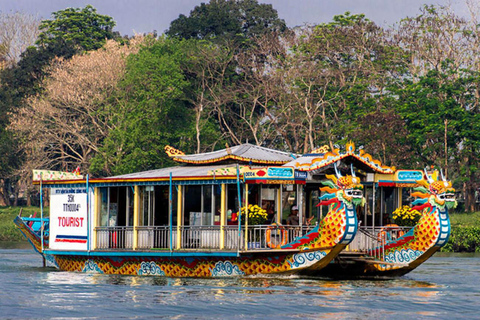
68, 218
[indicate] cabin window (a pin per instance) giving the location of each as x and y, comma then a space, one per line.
389, 204
217, 200
312, 208
406, 198
148, 206
254, 195
161, 214
208, 204
232, 202
193, 214
104, 207
269, 201
116, 207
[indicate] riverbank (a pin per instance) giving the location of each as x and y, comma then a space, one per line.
8, 230
465, 236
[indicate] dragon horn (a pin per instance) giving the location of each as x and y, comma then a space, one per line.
441, 174
351, 168
339, 175
429, 179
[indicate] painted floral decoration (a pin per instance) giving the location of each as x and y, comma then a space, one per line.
256, 215
406, 216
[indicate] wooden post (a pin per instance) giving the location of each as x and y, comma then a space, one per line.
279, 206
179, 215
136, 215
223, 215
246, 216
96, 214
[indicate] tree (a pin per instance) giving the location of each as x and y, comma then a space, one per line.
333, 75
207, 68
444, 68
149, 112
83, 28
227, 18
17, 32
64, 124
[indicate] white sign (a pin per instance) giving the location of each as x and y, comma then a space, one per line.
68, 219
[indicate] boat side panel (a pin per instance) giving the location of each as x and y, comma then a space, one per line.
264, 263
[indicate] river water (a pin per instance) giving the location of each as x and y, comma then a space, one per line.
445, 287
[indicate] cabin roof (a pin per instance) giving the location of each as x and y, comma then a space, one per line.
245, 153
177, 172
317, 161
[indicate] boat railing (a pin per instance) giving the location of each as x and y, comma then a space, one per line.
372, 240
155, 237
198, 237
274, 236
114, 237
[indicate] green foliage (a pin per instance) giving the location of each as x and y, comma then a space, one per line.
8, 230
426, 104
463, 239
227, 18
84, 28
465, 235
148, 112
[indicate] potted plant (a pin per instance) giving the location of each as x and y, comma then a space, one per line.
256, 215
406, 216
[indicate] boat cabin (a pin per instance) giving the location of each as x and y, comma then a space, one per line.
191, 206
195, 205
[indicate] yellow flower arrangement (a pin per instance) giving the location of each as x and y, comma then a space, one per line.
406, 216
256, 215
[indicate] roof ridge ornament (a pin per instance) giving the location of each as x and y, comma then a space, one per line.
335, 155
322, 149
172, 152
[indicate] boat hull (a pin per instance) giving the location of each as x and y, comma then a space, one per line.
348, 266
196, 264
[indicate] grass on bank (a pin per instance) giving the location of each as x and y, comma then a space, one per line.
465, 235
8, 230
465, 219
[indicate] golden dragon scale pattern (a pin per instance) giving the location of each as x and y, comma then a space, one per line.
432, 231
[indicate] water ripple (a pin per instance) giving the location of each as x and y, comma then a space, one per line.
437, 289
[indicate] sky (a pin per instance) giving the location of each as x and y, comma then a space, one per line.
144, 16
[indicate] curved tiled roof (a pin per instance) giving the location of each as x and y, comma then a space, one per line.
311, 162
245, 152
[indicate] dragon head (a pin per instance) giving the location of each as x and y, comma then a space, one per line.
347, 189
439, 192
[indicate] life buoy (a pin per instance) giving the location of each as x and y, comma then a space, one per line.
385, 235
283, 233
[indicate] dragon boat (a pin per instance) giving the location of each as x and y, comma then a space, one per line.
186, 221
201, 218
381, 248
402, 252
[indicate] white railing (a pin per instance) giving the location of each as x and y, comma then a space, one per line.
367, 240
198, 237
157, 237
270, 236
373, 240
114, 237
